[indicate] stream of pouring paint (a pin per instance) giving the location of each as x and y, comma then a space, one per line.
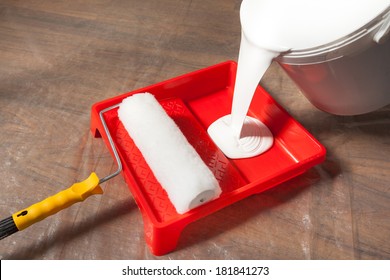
270, 28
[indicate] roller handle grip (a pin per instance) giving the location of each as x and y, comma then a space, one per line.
7, 227
76, 193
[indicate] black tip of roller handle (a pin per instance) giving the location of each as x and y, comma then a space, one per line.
7, 227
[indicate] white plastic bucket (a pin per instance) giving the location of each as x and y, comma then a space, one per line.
349, 76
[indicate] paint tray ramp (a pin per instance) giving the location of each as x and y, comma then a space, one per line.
194, 101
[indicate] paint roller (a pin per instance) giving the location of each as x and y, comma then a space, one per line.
176, 165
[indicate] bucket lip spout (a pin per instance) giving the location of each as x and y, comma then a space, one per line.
374, 32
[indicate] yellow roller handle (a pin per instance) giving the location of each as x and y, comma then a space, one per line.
76, 193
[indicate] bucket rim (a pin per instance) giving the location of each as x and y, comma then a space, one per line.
352, 43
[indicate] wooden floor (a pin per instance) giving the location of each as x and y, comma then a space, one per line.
57, 58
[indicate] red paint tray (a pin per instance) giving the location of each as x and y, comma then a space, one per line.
194, 101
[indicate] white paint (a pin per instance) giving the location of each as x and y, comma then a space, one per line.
255, 137
252, 64
227, 132
272, 27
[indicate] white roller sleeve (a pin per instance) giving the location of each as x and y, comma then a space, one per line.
174, 162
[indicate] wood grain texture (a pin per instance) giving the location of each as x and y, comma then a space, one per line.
57, 58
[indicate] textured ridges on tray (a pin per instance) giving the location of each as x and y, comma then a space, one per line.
227, 176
